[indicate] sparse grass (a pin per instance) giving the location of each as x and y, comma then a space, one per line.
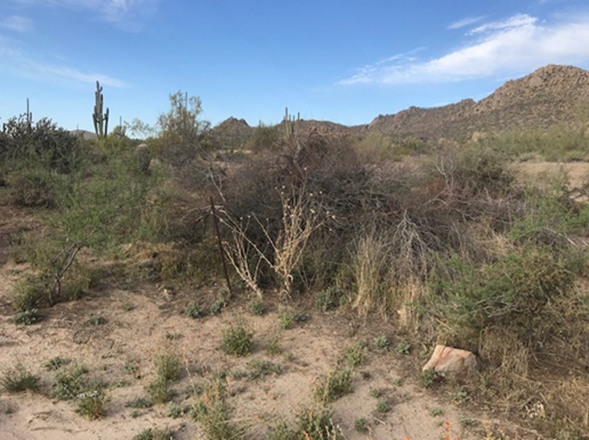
334, 385
18, 379
127, 306
175, 411
259, 369
315, 423
56, 363
167, 365
159, 390
327, 299
28, 317
139, 402
274, 344
376, 392
155, 434
28, 292
288, 318
238, 339
436, 412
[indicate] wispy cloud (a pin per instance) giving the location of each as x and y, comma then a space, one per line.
19, 63
465, 22
125, 14
17, 23
516, 45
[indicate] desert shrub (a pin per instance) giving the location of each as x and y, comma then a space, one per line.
315, 423
28, 317
70, 382
166, 364
92, 403
155, 434
264, 138
28, 292
356, 353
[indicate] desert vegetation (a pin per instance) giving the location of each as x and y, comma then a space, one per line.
437, 242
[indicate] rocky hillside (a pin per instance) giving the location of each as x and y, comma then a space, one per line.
550, 95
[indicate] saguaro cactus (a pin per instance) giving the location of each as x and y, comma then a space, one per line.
100, 119
290, 125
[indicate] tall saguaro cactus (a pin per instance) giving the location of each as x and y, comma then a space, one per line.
100, 119
290, 125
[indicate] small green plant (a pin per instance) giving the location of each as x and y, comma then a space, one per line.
261, 369
28, 317
460, 395
403, 348
218, 306
92, 404
280, 431
155, 434
327, 299
436, 412
175, 411
167, 365
139, 403
238, 339
289, 318
314, 423
258, 308
376, 392
19, 379
356, 353
95, 320
274, 345
382, 343
127, 306
28, 292
69, 382
159, 390
362, 426
193, 310
334, 385
133, 368
383, 406
56, 363
428, 378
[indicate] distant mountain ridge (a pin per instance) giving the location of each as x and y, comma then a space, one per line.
549, 96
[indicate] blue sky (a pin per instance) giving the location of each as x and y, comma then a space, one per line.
344, 61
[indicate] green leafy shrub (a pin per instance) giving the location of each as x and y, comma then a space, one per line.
28, 292
18, 379
238, 339
193, 310
92, 403
334, 385
356, 353
28, 317
70, 382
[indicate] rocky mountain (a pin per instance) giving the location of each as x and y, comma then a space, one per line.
549, 96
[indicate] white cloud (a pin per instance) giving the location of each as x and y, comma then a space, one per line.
17, 23
518, 44
21, 64
468, 21
126, 14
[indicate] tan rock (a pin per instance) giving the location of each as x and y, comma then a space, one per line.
448, 361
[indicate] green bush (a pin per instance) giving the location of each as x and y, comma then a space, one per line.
334, 385
238, 339
29, 292
18, 379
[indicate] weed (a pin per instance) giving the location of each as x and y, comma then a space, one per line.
28, 317
334, 385
327, 299
403, 348
258, 308
193, 310
28, 292
356, 353
428, 378
56, 363
238, 339
274, 345
18, 379
314, 423
92, 404
159, 390
382, 342
383, 406
218, 306
155, 434
127, 306
397, 381
69, 382
362, 426
376, 392
261, 369
139, 402
280, 431
167, 365
134, 369
95, 320
436, 412
175, 411
460, 395
288, 318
